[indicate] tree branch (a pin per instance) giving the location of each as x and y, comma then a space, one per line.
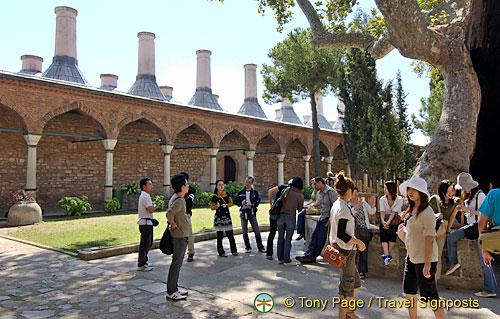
324, 40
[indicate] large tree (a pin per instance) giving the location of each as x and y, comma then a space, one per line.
459, 38
300, 72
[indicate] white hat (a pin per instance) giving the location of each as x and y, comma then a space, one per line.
416, 183
465, 181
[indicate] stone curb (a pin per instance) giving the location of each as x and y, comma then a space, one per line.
132, 248
67, 252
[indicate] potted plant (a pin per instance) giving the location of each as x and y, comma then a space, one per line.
24, 210
132, 192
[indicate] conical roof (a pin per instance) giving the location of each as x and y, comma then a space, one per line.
65, 68
322, 122
287, 114
252, 107
145, 85
203, 97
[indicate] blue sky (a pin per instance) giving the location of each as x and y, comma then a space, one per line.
234, 32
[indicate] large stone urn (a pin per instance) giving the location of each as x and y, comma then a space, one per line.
24, 213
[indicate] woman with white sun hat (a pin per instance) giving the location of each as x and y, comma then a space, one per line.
419, 233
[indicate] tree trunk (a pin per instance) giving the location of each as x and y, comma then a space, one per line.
316, 154
451, 148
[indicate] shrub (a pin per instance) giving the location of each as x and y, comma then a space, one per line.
232, 188
112, 205
132, 189
159, 201
201, 198
307, 191
75, 206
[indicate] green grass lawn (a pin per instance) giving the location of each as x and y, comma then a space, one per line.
74, 233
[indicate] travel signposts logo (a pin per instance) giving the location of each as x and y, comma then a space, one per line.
263, 302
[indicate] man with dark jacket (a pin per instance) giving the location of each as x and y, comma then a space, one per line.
189, 197
248, 200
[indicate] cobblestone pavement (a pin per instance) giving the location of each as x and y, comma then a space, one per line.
36, 283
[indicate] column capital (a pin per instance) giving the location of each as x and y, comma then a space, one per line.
250, 154
213, 151
329, 159
32, 139
306, 158
109, 144
281, 157
167, 149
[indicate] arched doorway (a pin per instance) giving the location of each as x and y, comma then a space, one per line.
229, 169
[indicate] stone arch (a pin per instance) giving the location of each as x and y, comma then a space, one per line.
142, 116
232, 137
78, 107
294, 164
20, 113
339, 160
235, 129
197, 126
273, 138
299, 144
323, 149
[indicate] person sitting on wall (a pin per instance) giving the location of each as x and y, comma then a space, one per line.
248, 200
327, 196
312, 208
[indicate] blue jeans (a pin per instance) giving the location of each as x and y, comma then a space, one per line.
301, 223
256, 231
286, 223
451, 246
489, 280
490, 283
318, 240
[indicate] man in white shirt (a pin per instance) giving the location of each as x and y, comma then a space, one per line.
145, 209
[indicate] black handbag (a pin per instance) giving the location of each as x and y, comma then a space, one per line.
275, 210
472, 231
166, 245
364, 234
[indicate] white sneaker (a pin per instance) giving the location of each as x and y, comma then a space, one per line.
176, 296
149, 264
484, 294
452, 270
248, 250
144, 268
182, 291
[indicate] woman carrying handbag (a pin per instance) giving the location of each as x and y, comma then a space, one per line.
342, 238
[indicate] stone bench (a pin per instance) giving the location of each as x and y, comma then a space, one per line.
468, 276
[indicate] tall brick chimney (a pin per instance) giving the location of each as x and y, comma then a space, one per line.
167, 92
203, 95
65, 64
287, 114
145, 81
251, 104
31, 64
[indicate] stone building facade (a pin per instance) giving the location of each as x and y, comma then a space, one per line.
63, 139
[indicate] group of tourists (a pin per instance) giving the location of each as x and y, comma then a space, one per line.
344, 222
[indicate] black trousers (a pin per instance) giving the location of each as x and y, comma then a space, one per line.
232, 242
273, 228
145, 245
362, 259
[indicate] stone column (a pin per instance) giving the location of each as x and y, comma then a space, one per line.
250, 156
109, 146
167, 149
32, 141
329, 163
306, 158
213, 166
281, 174
348, 168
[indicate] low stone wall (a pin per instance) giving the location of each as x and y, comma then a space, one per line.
468, 276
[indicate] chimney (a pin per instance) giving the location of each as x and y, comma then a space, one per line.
203, 95
31, 64
278, 113
64, 64
216, 96
287, 114
306, 118
319, 103
251, 104
167, 92
332, 123
109, 82
145, 81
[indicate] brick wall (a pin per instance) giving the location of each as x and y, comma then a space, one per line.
12, 158
70, 169
294, 163
133, 161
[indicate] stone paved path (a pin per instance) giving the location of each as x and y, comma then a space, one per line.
35, 283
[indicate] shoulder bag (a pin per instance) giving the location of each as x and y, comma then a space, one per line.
275, 210
332, 255
166, 245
